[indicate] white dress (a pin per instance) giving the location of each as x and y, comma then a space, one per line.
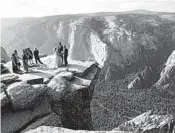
56, 60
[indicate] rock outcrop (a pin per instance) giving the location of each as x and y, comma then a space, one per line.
4, 69
144, 123
63, 102
16, 121
149, 123
8, 78
24, 95
4, 56
167, 75
71, 98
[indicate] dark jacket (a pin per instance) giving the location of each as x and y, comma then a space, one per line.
65, 52
24, 57
61, 48
36, 53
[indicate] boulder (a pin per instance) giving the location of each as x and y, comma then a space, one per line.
35, 81
58, 87
71, 99
8, 78
48, 120
4, 99
3, 86
81, 81
23, 95
17, 121
4, 69
3, 61
65, 74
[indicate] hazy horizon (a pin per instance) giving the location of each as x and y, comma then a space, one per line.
40, 8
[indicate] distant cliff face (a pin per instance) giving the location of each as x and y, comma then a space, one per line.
4, 55
116, 41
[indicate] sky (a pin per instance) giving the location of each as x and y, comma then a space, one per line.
39, 8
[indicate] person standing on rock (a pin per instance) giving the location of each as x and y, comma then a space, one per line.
65, 55
14, 63
25, 62
60, 51
17, 59
30, 56
36, 55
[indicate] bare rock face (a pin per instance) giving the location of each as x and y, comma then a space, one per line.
4, 55
48, 120
8, 78
4, 99
113, 73
70, 98
58, 86
49, 129
149, 123
4, 69
135, 84
143, 79
167, 74
3, 86
16, 121
23, 95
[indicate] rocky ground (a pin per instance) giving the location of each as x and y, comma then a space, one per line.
62, 99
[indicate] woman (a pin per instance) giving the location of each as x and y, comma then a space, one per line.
17, 59
30, 56
25, 61
56, 62
59, 54
14, 63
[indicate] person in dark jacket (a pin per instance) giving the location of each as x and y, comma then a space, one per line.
25, 61
65, 55
60, 51
36, 55
17, 59
14, 63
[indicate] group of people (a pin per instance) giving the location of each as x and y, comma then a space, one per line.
27, 59
59, 58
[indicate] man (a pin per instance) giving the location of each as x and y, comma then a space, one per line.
36, 55
65, 55
14, 63
17, 59
25, 61
60, 50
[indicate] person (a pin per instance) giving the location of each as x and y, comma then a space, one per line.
65, 55
60, 51
14, 63
56, 62
17, 59
25, 62
36, 55
30, 56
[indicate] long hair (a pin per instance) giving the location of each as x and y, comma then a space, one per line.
54, 49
